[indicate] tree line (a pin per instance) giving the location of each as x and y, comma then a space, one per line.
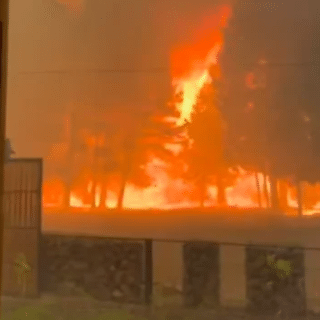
262, 115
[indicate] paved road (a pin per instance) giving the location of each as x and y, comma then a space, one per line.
228, 226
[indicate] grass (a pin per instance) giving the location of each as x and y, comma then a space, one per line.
63, 308
165, 307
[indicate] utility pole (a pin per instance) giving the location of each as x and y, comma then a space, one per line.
4, 12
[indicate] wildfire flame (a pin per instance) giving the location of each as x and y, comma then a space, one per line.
191, 62
191, 66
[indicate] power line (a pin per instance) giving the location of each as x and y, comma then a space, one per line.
152, 70
279, 65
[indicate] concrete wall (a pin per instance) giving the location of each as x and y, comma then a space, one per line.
232, 276
169, 270
312, 281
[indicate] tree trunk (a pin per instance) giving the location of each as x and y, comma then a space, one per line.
93, 193
121, 193
221, 196
283, 195
265, 189
94, 178
258, 190
274, 193
68, 182
103, 197
300, 198
125, 177
203, 191
66, 197
129, 156
69, 136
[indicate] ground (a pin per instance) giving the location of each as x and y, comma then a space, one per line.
66, 308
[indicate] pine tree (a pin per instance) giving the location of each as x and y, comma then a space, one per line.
147, 139
206, 159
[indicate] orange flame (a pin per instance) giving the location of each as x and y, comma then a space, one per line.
191, 66
53, 192
191, 62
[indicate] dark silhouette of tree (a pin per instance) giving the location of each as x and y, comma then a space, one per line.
144, 141
278, 111
311, 93
206, 158
99, 154
109, 169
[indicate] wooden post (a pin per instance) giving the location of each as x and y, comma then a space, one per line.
4, 6
148, 272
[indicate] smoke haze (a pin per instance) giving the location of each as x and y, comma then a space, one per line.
119, 34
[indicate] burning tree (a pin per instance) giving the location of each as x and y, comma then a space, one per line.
271, 123
194, 67
206, 158
149, 139
99, 153
290, 98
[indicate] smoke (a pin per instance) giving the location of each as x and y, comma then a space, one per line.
74, 6
206, 39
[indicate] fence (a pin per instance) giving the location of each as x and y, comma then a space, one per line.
258, 278
22, 221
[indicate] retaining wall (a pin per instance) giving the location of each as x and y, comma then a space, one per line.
104, 269
198, 273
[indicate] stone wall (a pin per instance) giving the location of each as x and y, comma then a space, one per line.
275, 280
266, 280
101, 268
201, 274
